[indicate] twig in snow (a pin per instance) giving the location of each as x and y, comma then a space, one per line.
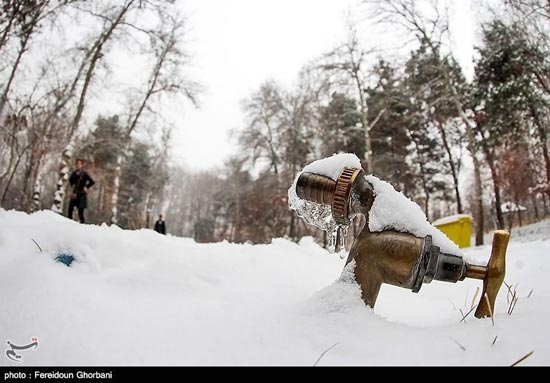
522, 359
324, 352
494, 341
37, 245
475, 298
530, 293
459, 345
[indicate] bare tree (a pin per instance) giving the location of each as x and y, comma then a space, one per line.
15, 125
262, 135
165, 78
350, 60
23, 19
530, 8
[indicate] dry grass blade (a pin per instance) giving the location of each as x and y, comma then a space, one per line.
522, 359
475, 298
458, 344
530, 293
468, 313
513, 301
324, 352
490, 309
494, 341
513, 306
509, 293
453, 304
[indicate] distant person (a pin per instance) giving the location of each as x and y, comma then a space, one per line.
160, 225
80, 181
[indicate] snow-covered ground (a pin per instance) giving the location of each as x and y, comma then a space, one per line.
137, 297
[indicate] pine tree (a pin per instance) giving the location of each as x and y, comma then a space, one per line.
509, 103
390, 136
426, 83
340, 127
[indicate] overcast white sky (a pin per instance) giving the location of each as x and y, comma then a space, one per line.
237, 44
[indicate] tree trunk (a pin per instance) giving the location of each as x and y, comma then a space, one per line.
424, 186
470, 137
14, 170
477, 174
35, 179
496, 182
36, 200
114, 197
519, 217
6, 32
364, 124
480, 221
452, 166
292, 228
498, 201
427, 205
31, 170
63, 176
237, 223
146, 211
543, 145
535, 206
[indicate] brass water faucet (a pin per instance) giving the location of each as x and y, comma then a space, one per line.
399, 259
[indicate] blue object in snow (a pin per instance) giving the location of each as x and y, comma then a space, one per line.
65, 258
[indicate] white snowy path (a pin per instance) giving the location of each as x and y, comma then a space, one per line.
139, 298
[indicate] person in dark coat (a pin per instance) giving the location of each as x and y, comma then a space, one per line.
160, 225
80, 182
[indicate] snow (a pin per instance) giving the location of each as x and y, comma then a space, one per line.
451, 218
533, 232
332, 166
508, 207
141, 298
391, 210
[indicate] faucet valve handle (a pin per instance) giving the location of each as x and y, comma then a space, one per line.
496, 268
342, 195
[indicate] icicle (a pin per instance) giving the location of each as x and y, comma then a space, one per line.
321, 217
343, 233
337, 241
333, 241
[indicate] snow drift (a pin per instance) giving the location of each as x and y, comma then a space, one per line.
140, 298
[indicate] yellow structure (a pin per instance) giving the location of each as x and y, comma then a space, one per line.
457, 227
